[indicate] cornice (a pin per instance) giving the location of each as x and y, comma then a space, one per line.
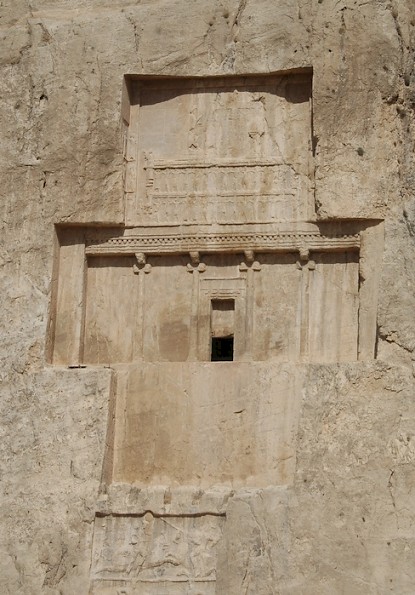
176, 243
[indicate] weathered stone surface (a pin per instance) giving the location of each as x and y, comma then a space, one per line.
339, 519
345, 526
51, 471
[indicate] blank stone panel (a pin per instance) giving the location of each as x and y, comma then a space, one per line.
276, 308
69, 299
334, 307
167, 306
222, 265
198, 424
158, 130
223, 318
111, 310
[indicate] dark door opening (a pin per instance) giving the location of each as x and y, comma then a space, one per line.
222, 349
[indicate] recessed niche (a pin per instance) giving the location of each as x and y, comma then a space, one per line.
219, 149
222, 330
222, 349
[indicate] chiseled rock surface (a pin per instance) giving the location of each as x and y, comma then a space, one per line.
51, 471
344, 524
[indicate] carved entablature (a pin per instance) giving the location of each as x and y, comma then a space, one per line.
219, 150
179, 240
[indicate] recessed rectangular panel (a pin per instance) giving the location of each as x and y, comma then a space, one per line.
218, 320
167, 308
111, 310
275, 333
220, 150
277, 308
206, 424
68, 309
333, 307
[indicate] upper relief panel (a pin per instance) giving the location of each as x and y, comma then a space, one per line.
228, 150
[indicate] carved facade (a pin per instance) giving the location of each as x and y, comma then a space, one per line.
220, 282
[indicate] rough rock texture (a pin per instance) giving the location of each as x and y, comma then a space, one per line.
344, 522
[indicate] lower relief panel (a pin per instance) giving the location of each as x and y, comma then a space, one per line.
148, 555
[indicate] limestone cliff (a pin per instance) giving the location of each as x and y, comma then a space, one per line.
309, 492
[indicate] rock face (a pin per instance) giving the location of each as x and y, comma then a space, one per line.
208, 297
